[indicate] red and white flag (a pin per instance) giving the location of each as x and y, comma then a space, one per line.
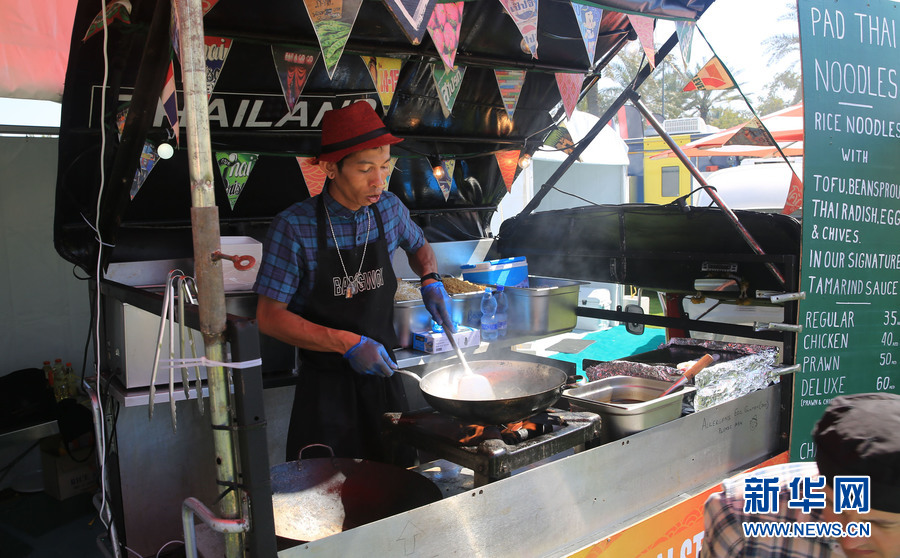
794, 201
169, 100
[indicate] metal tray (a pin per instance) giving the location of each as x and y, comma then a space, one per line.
547, 305
611, 399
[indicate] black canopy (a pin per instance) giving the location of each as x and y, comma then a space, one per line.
247, 114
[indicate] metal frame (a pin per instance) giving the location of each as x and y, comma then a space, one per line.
249, 413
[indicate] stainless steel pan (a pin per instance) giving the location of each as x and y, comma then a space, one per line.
521, 389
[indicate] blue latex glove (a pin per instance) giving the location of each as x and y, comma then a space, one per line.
437, 301
370, 357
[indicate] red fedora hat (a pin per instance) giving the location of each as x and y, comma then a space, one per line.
352, 128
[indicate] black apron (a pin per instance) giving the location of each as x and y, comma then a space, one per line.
333, 404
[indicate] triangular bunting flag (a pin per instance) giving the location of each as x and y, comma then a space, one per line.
525, 15
117, 10
333, 21
175, 32
391, 166
384, 72
711, 76
443, 27
751, 133
235, 169
560, 138
569, 89
120, 121
685, 31
169, 100
412, 16
445, 183
208, 5
447, 83
589, 23
794, 201
371, 63
508, 162
217, 49
510, 83
293, 67
643, 26
148, 160
313, 175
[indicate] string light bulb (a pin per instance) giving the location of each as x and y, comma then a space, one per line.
165, 151
525, 161
438, 171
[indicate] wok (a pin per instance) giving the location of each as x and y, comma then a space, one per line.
521, 389
317, 497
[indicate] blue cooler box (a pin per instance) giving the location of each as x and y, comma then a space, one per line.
509, 272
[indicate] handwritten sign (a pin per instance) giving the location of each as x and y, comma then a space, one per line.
850, 265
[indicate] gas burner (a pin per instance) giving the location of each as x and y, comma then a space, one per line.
465, 434
493, 451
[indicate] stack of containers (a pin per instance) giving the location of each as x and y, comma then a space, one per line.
536, 305
509, 272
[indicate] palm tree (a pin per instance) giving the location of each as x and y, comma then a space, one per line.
662, 92
781, 46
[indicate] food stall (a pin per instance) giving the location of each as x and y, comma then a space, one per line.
124, 215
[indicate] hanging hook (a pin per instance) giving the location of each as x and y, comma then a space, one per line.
241, 263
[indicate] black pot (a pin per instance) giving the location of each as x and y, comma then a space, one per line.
317, 497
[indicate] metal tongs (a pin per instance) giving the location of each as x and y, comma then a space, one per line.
182, 287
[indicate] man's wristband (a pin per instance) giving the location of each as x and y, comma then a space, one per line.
435, 276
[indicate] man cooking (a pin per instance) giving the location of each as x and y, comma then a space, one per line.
326, 285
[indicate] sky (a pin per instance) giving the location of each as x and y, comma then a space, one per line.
734, 28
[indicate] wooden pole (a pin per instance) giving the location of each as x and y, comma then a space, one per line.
208, 271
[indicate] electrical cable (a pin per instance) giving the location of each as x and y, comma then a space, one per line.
104, 510
159, 552
585, 200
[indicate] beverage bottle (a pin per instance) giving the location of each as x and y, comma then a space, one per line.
488, 316
71, 381
60, 384
48, 371
502, 306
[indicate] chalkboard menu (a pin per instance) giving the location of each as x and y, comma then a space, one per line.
850, 261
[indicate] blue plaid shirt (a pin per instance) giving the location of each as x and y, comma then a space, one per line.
289, 252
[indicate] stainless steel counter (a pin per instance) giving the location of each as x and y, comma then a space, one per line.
563, 506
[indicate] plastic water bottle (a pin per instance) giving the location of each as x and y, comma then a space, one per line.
71, 381
502, 306
48, 372
60, 383
488, 316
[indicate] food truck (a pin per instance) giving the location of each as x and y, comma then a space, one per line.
472, 88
